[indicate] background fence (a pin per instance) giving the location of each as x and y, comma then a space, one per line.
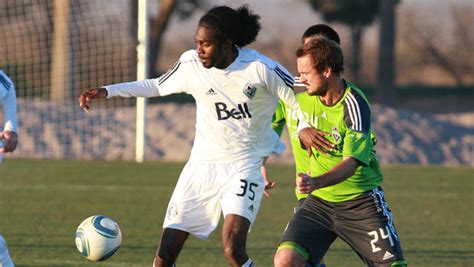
53, 50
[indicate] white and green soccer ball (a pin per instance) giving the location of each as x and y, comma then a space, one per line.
98, 238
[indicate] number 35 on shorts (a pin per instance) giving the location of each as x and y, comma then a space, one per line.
247, 189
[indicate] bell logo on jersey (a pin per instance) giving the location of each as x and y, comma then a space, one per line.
241, 112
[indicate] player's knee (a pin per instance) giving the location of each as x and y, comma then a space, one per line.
287, 257
281, 259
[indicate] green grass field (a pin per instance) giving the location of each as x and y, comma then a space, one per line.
42, 203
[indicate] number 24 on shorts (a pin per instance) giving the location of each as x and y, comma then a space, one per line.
376, 238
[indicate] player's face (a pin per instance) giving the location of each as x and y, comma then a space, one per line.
210, 50
316, 83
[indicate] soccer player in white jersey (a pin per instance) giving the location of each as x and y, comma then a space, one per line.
9, 139
236, 91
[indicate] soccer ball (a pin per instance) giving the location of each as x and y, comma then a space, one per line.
98, 238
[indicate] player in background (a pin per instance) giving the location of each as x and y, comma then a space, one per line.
345, 198
8, 141
236, 91
284, 116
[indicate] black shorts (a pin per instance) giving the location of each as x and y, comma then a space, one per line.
365, 223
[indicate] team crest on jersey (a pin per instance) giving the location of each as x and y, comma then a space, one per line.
337, 139
249, 90
336, 135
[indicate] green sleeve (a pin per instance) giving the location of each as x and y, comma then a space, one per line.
278, 121
357, 145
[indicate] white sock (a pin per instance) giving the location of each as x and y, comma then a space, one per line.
5, 260
249, 263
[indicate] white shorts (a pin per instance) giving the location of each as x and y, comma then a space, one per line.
204, 189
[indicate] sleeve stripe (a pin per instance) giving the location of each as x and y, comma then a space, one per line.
287, 79
284, 73
5, 81
354, 112
170, 72
357, 110
351, 114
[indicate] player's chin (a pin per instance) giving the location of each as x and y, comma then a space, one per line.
206, 64
312, 92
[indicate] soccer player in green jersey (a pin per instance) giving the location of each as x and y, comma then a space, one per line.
345, 198
286, 116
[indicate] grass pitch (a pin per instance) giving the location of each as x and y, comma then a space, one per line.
43, 202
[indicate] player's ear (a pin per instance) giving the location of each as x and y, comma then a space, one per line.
327, 72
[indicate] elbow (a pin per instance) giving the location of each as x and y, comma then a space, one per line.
351, 167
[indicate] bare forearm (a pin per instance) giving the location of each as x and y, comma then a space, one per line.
339, 173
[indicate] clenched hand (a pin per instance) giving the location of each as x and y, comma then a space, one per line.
10, 140
93, 93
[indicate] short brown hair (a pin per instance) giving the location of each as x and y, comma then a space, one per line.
324, 53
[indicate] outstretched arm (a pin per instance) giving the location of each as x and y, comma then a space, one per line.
142, 88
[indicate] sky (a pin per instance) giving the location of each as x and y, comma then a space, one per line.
292, 17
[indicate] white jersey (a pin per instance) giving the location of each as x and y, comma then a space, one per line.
234, 105
8, 97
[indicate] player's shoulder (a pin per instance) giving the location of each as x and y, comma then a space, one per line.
357, 109
253, 56
355, 94
189, 56
268, 65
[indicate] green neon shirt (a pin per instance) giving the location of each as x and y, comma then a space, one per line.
348, 121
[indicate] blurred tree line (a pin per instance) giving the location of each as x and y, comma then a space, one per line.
408, 49
454, 60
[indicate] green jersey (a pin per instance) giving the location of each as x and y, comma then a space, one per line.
348, 122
